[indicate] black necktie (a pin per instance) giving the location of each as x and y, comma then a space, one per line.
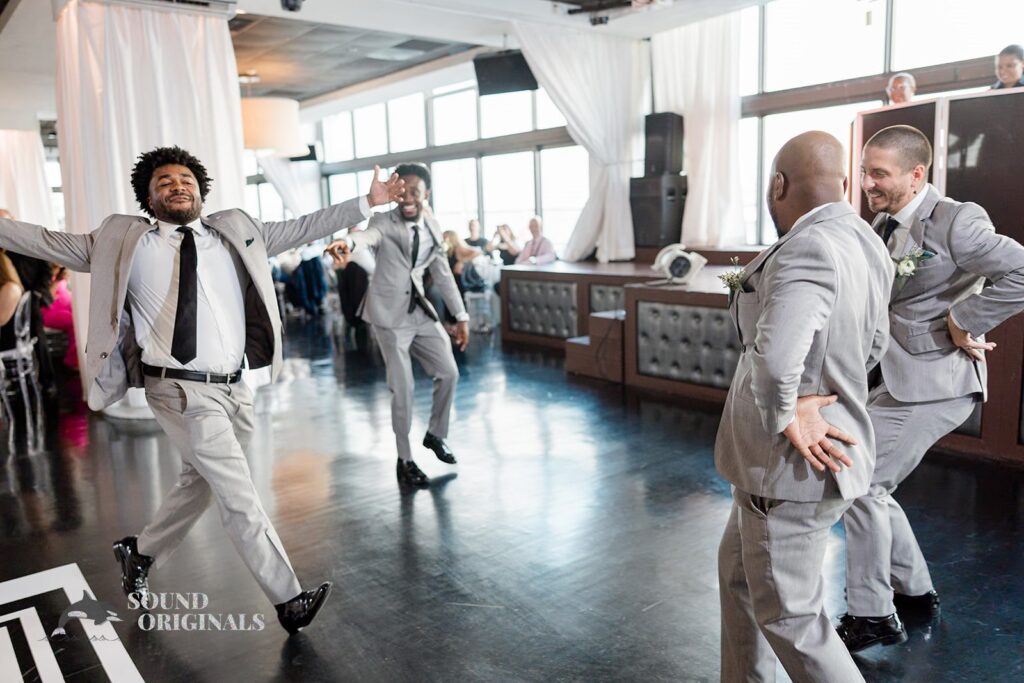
415, 244
183, 343
415, 253
890, 226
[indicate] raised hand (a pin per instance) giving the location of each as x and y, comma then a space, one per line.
968, 344
339, 252
809, 433
387, 191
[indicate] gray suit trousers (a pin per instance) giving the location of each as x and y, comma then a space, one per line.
772, 592
882, 553
427, 342
206, 422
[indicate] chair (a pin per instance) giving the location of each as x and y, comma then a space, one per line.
478, 305
19, 365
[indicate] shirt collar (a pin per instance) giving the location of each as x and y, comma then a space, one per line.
167, 229
811, 213
906, 215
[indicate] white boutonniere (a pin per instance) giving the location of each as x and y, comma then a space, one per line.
732, 279
907, 266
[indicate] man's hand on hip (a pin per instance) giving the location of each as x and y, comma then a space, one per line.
462, 335
971, 346
809, 433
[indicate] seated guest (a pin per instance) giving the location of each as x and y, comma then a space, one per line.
10, 294
901, 88
504, 242
474, 270
475, 240
538, 251
57, 315
1010, 67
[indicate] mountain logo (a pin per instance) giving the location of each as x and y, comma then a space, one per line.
87, 608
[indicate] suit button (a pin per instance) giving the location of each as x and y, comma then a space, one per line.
104, 355
407, 291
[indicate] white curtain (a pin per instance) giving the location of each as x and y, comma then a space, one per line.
23, 187
597, 82
130, 79
298, 183
696, 74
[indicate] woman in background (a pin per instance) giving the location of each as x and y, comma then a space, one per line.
10, 294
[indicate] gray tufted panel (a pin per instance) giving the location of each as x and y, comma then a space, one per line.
694, 344
607, 298
543, 307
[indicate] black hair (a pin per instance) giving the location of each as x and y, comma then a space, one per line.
142, 173
910, 143
414, 169
1014, 50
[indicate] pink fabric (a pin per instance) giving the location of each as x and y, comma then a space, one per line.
543, 249
57, 316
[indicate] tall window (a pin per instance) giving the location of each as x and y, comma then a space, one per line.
929, 32
338, 142
548, 115
455, 117
810, 41
750, 38
564, 188
508, 189
454, 197
506, 114
407, 125
271, 206
751, 194
341, 187
371, 130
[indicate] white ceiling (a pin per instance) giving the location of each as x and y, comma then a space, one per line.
27, 40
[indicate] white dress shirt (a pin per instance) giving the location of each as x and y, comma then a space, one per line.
426, 242
153, 297
905, 217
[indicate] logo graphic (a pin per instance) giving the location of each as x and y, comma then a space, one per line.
86, 608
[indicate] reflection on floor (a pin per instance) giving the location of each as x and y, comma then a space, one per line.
576, 539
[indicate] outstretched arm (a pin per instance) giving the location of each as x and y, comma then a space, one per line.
67, 249
284, 235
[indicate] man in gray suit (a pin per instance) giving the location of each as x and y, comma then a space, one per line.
176, 306
933, 375
812, 319
408, 245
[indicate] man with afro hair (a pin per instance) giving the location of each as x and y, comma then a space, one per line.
179, 305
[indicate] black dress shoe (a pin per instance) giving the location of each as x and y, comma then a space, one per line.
859, 633
297, 613
440, 448
411, 475
134, 567
918, 607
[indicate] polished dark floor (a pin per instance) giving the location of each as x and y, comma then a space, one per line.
575, 541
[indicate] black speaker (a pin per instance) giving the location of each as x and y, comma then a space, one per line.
657, 205
664, 133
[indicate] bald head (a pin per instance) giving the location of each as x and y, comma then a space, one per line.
809, 170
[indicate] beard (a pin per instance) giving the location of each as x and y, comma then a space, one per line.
888, 201
414, 217
178, 215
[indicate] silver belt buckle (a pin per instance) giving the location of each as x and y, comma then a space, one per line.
163, 372
208, 377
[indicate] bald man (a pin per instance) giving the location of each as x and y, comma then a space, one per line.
795, 438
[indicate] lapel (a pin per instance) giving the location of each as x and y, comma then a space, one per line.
915, 238
404, 238
226, 230
828, 213
124, 267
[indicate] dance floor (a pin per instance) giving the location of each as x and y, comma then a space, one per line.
575, 541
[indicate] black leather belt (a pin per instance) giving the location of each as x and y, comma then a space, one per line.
191, 375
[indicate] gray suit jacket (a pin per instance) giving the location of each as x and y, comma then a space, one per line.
812, 318
923, 364
389, 292
113, 358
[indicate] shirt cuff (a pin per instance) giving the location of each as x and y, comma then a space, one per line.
462, 317
953, 318
364, 206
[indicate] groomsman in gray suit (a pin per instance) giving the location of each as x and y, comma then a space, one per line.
408, 245
956, 280
177, 305
812, 319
